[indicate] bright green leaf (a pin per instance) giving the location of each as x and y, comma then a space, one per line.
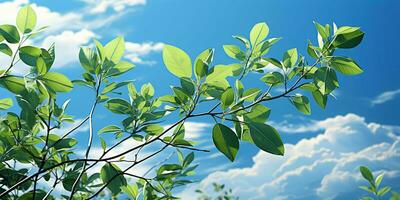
346, 66
258, 33
57, 82
177, 61
5, 103
26, 19
114, 50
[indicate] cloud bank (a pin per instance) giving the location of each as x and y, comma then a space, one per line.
322, 167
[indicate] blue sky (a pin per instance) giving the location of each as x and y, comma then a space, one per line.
364, 117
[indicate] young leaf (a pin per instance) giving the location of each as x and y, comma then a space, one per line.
266, 138
110, 129
346, 66
226, 141
114, 50
41, 66
5, 103
26, 19
258, 33
177, 61
383, 191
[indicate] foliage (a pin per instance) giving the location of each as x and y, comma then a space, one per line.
33, 149
220, 191
375, 188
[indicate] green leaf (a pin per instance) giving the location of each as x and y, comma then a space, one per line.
258, 33
119, 106
272, 78
131, 190
320, 99
302, 104
177, 61
29, 55
201, 63
5, 103
226, 141
219, 73
258, 113
227, 98
4, 48
266, 138
234, 52
347, 37
41, 66
26, 19
346, 66
154, 129
114, 50
113, 86
366, 173
57, 82
110, 129
10, 33
188, 86
111, 174
188, 159
245, 41
120, 68
326, 80
14, 84
383, 191
88, 59
100, 49
290, 58
378, 180
274, 62
322, 31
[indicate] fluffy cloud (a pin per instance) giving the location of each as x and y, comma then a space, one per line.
100, 6
67, 45
79, 30
322, 167
385, 97
136, 51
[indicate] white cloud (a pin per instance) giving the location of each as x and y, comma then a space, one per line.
322, 167
136, 51
100, 6
72, 29
67, 45
385, 97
